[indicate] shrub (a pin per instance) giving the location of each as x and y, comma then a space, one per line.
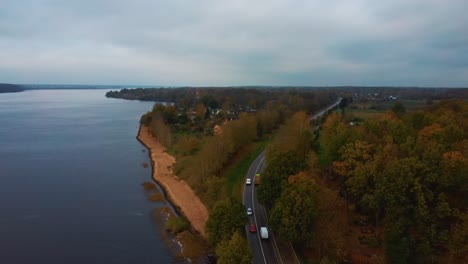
177, 224
149, 186
156, 197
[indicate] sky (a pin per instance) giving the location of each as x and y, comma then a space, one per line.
232, 43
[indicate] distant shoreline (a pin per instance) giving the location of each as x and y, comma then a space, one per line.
178, 191
10, 88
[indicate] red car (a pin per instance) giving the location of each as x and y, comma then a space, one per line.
253, 229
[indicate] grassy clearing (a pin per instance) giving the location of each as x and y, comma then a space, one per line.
410, 105
368, 110
363, 114
236, 171
322, 158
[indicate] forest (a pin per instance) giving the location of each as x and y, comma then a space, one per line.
400, 179
228, 98
387, 189
409, 173
255, 97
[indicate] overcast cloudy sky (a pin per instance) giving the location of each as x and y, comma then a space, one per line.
290, 42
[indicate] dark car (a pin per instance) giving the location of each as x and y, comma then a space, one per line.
252, 228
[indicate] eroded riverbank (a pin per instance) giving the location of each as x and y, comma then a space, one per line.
177, 190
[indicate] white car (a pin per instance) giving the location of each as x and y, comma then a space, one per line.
249, 211
248, 181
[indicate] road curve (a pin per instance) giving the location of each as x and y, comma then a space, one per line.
265, 251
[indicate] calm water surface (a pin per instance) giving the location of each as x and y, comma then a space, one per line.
70, 180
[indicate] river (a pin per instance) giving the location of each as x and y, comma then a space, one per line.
71, 179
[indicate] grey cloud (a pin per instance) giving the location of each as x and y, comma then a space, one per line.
178, 42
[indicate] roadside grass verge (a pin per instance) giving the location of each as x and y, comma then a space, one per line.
236, 171
323, 160
362, 114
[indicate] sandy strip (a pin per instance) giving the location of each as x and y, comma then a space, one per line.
178, 191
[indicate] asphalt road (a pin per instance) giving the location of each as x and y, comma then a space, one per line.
264, 251
323, 111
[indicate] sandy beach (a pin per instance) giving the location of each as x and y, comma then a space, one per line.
178, 191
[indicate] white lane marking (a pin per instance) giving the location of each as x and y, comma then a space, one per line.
253, 207
254, 215
294, 251
278, 255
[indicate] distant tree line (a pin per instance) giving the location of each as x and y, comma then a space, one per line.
303, 98
408, 93
10, 88
295, 98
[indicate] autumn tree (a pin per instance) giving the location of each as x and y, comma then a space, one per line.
295, 135
161, 130
286, 155
331, 226
408, 169
234, 251
358, 167
186, 145
200, 110
458, 244
334, 135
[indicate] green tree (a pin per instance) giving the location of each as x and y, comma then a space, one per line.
399, 109
209, 101
234, 251
415, 211
145, 119
226, 218
186, 145
296, 210
397, 247
279, 167
212, 195
458, 246
287, 155
177, 224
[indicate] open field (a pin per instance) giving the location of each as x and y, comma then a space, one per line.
363, 111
